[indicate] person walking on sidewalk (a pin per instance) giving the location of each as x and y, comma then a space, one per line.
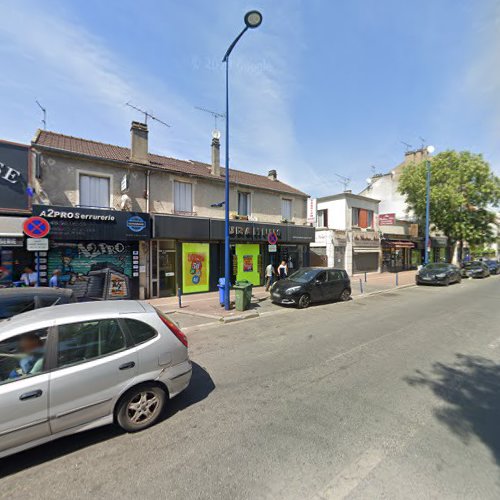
270, 273
282, 270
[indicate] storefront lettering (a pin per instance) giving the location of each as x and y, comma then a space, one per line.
92, 250
50, 213
253, 232
8, 174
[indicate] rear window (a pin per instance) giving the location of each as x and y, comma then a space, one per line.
12, 306
141, 332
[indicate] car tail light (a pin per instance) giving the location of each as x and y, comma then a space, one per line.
173, 328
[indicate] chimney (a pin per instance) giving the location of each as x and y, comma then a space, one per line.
273, 175
139, 143
216, 153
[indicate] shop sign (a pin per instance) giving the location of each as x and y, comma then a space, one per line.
14, 176
195, 267
340, 238
11, 242
37, 244
365, 239
253, 232
311, 210
386, 219
69, 223
272, 248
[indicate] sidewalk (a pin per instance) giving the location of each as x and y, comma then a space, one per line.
202, 309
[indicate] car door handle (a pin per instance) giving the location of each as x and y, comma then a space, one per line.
127, 366
30, 395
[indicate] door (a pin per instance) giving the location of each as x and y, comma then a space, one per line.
335, 285
166, 268
318, 289
24, 385
94, 365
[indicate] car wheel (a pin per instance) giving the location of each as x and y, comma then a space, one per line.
345, 295
447, 282
304, 301
141, 407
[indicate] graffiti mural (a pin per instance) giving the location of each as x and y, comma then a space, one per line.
95, 270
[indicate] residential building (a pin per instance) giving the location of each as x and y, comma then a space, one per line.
184, 199
347, 234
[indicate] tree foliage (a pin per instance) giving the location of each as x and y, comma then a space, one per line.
463, 192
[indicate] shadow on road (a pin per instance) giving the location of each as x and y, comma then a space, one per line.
200, 387
471, 387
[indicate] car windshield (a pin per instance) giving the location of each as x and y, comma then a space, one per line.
303, 275
472, 265
436, 267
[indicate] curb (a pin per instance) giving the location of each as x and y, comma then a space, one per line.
239, 317
378, 292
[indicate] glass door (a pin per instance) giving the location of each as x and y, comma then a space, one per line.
167, 268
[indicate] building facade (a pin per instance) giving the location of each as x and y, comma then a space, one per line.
180, 244
347, 235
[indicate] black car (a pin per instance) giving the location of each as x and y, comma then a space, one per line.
312, 284
475, 269
493, 266
439, 273
18, 300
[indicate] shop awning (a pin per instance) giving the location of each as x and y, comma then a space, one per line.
365, 250
11, 226
398, 244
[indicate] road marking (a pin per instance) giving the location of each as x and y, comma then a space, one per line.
351, 476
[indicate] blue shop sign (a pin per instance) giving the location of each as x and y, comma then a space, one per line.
136, 224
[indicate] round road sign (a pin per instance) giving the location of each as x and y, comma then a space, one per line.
272, 239
36, 227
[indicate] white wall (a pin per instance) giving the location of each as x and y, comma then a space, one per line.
337, 217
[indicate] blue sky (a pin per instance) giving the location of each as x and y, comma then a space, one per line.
322, 87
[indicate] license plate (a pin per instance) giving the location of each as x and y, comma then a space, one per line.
276, 296
426, 278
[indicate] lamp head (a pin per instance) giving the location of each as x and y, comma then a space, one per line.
253, 19
430, 149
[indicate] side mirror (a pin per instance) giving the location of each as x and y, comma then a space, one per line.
318, 282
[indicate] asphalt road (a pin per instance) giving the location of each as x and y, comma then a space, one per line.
389, 396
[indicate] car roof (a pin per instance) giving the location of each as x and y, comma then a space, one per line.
34, 291
42, 318
314, 268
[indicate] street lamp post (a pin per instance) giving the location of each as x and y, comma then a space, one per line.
253, 19
430, 150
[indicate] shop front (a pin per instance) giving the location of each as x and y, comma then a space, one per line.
15, 206
400, 253
97, 252
365, 251
196, 252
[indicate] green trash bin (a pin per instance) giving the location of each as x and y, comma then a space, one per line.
242, 295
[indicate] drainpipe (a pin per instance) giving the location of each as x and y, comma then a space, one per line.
148, 186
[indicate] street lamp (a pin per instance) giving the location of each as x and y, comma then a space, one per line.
253, 19
430, 150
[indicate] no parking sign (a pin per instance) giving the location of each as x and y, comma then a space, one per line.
36, 227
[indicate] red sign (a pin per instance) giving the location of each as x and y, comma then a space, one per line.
36, 227
272, 239
386, 219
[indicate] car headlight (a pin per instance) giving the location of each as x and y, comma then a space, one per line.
292, 290
441, 275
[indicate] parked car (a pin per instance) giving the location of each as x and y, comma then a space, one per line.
312, 284
89, 364
439, 273
475, 269
493, 266
18, 300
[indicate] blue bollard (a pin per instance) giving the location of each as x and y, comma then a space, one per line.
361, 285
397, 279
179, 294
365, 276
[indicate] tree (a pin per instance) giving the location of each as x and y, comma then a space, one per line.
463, 192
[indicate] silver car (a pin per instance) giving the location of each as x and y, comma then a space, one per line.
78, 366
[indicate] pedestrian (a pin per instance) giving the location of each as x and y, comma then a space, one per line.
282, 270
270, 273
29, 277
54, 281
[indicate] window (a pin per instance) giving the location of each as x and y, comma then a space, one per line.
322, 218
183, 197
15, 305
22, 355
286, 209
362, 218
94, 191
335, 276
79, 342
321, 277
243, 203
141, 332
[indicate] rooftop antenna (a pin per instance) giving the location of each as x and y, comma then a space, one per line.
44, 111
373, 169
147, 115
345, 181
407, 146
423, 142
213, 113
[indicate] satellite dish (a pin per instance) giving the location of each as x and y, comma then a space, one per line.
216, 134
368, 180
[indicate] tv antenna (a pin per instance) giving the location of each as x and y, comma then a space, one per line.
373, 169
423, 142
147, 115
345, 181
407, 146
44, 111
213, 113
